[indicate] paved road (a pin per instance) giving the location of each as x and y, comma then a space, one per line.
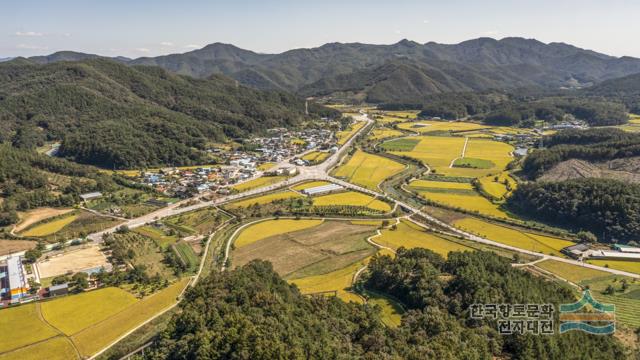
319, 172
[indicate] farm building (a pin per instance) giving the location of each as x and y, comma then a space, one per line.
626, 248
322, 189
17, 285
57, 290
576, 251
89, 196
614, 255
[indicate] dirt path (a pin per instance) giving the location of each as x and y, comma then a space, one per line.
464, 150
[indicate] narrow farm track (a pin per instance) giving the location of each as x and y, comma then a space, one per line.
464, 150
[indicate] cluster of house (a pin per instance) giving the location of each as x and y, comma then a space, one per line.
616, 252
282, 143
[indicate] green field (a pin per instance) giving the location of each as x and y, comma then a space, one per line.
158, 235
202, 221
467, 162
390, 311
187, 255
404, 144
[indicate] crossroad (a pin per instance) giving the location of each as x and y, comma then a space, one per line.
321, 172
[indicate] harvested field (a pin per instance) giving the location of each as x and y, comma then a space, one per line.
73, 261
310, 184
36, 215
12, 246
318, 250
265, 199
351, 198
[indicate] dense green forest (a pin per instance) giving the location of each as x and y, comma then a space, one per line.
591, 145
522, 107
29, 180
251, 313
112, 115
606, 207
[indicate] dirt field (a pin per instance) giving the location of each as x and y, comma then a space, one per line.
72, 261
33, 216
318, 250
11, 246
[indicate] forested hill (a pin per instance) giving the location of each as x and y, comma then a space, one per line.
113, 115
260, 316
431, 68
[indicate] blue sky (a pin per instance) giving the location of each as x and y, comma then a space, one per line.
147, 28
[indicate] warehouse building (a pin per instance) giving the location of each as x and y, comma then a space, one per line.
17, 287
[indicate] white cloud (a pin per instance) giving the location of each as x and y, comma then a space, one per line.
28, 33
166, 43
31, 47
193, 46
142, 50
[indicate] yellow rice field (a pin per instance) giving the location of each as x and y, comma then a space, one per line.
316, 156
266, 166
258, 183
384, 133
410, 235
351, 198
367, 222
573, 273
57, 348
513, 237
435, 151
441, 185
497, 188
339, 281
74, 313
368, 170
265, 229
344, 136
494, 151
264, 199
629, 266
468, 202
50, 227
24, 325
423, 126
310, 184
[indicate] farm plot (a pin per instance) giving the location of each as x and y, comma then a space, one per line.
403, 144
71, 314
514, 237
368, 170
316, 157
390, 311
344, 136
497, 186
484, 157
409, 235
201, 221
70, 226
573, 273
457, 195
265, 229
309, 184
265, 199
351, 198
57, 348
73, 262
435, 151
322, 249
95, 337
338, 282
629, 266
50, 227
24, 325
187, 255
145, 253
37, 215
258, 183
12, 246
162, 238
427, 126
384, 133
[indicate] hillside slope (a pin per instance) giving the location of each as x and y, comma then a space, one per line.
113, 115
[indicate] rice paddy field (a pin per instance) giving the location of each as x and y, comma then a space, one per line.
351, 198
425, 185
265, 229
435, 151
71, 225
514, 237
384, 133
266, 199
91, 321
573, 273
468, 200
368, 170
496, 185
390, 311
37, 215
316, 157
258, 183
427, 126
309, 184
266, 166
496, 152
629, 266
344, 136
338, 281
410, 235
71, 314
